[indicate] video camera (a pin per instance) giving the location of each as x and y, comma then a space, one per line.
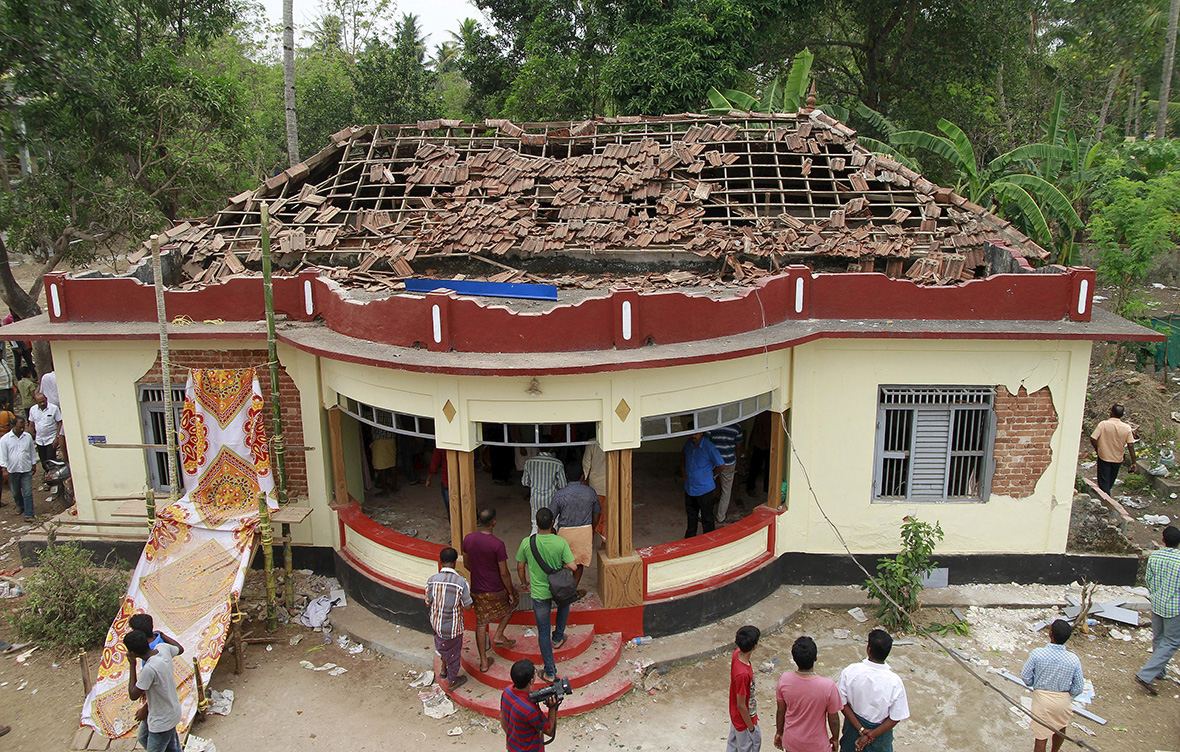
558, 689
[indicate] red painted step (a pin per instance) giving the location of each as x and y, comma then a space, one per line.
485, 700
585, 668
577, 639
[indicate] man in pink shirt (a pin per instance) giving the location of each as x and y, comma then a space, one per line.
805, 701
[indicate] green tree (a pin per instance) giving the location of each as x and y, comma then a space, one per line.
392, 83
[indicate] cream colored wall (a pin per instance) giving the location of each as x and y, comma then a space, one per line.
100, 377
673, 573
833, 422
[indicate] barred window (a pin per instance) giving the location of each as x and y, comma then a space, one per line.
399, 423
934, 443
151, 414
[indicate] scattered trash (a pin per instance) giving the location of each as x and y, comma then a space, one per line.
600, 727
766, 667
312, 667
435, 703
221, 703
270, 648
197, 744
841, 634
1130, 503
338, 671
25, 655
411, 532
1090, 465
9, 590
794, 591
858, 614
1120, 635
633, 641
1155, 519
457, 731
296, 639
316, 612
356, 648
1159, 471
1088, 694
529, 632
425, 679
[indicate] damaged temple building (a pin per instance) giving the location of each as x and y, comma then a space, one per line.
917, 354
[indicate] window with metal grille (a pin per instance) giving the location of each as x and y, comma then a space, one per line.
534, 434
704, 419
151, 413
934, 443
403, 423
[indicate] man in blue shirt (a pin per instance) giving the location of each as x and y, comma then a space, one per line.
699, 464
1055, 676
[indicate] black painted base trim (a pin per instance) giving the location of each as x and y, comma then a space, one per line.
689, 612
391, 605
319, 559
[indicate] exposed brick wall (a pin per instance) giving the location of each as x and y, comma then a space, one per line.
182, 360
1024, 426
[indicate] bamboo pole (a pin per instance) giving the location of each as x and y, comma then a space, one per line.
280, 462
268, 560
236, 635
150, 497
84, 664
165, 367
202, 700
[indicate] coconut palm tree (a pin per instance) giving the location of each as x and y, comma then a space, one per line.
1161, 115
289, 80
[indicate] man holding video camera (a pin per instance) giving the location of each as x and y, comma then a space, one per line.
520, 716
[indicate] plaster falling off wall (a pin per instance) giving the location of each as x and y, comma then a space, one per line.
1025, 424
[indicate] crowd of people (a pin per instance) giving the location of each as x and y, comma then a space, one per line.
30, 423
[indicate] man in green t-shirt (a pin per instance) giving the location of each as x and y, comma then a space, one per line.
556, 552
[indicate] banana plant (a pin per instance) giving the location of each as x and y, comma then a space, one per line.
1006, 183
779, 95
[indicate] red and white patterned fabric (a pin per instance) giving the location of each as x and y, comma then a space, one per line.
194, 561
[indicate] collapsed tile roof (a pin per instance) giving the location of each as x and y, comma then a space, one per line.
744, 193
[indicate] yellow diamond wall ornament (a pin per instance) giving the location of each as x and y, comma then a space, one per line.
623, 410
449, 411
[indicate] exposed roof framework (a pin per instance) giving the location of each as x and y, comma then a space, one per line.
752, 191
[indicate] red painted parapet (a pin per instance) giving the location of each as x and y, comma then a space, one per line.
1001, 297
622, 319
127, 299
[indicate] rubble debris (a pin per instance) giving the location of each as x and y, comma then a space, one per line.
677, 182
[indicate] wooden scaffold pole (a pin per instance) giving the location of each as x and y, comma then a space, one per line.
165, 368
280, 463
268, 561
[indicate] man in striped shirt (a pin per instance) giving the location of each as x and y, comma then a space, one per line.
447, 594
521, 719
729, 441
1163, 581
543, 475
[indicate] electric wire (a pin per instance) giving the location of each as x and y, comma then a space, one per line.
843, 543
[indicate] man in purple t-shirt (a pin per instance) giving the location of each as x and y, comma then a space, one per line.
805, 701
486, 558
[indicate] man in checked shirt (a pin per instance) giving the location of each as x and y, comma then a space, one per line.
1163, 581
447, 594
1055, 675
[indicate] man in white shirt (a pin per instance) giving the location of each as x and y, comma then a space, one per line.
17, 459
874, 699
49, 388
46, 421
156, 681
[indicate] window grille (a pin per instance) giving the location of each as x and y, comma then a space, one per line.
705, 419
531, 434
934, 443
151, 413
400, 423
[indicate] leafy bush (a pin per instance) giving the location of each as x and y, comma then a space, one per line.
69, 602
900, 577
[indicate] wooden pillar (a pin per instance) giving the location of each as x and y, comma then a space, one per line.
454, 487
778, 451
613, 538
620, 570
467, 492
624, 516
339, 473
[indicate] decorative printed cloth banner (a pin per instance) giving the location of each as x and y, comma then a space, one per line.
193, 564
